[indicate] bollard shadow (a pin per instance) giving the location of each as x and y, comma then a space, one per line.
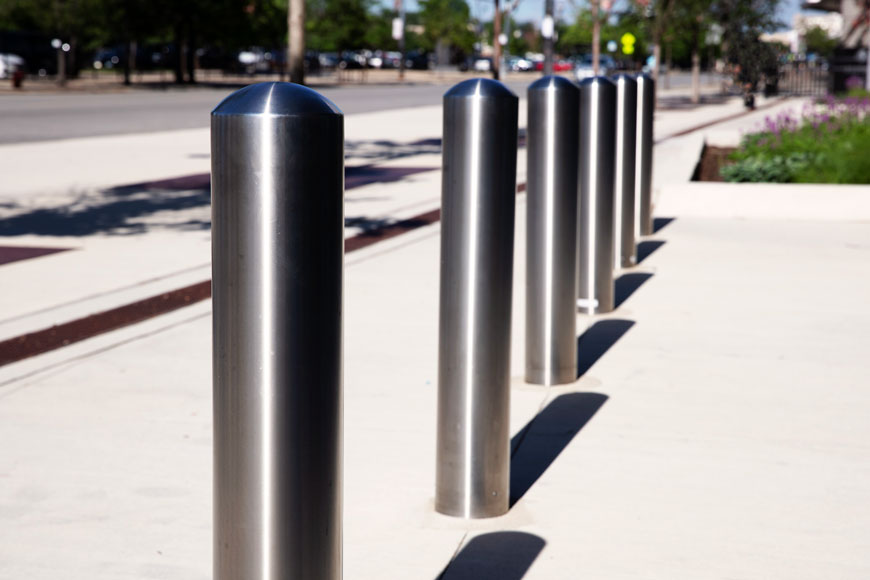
495, 556
647, 247
597, 340
543, 438
661, 223
627, 284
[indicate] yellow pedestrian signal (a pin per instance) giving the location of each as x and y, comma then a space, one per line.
628, 40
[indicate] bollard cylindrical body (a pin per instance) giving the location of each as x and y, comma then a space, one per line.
477, 241
646, 95
551, 249
625, 252
277, 244
595, 291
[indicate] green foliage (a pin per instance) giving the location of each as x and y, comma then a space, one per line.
336, 25
446, 21
828, 145
766, 169
818, 41
577, 37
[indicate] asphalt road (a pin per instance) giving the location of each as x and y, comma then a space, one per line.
45, 117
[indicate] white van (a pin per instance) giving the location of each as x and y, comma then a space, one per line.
9, 63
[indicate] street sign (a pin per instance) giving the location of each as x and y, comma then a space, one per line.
547, 27
628, 40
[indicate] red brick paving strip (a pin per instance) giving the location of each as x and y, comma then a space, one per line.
9, 254
41, 341
28, 345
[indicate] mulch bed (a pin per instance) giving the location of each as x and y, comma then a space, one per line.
712, 160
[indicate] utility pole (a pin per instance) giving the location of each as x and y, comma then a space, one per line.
496, 45
399, 35
548, 29
296, 44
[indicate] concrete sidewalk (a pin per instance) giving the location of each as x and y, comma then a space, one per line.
718, 428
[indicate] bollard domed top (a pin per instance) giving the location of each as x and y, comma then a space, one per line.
625, 78
644, 78
598, 81
279, 99
479, 88
553, 83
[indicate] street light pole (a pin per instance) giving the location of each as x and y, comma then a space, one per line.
296, 44
496, 45
547, 32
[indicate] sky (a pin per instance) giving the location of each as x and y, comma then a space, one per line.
533, 10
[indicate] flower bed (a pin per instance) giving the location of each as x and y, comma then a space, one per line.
828, 143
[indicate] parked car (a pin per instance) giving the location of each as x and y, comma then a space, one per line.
584, 69
482, 64
107, 58
417, 60
650, 65
352, 60
518, 64
9, 64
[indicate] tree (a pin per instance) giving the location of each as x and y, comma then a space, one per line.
336, 25
691, 20
743, 22
818, 42
446, 25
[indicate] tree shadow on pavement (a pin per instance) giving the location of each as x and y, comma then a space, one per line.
179, 203
382, 150
495, 556
684, 102
543, 438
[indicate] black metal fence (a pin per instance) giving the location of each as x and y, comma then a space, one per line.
804, 78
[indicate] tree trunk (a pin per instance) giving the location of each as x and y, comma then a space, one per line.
696, 75
61, 67
191, 53
296, 46
657, 56
442, 53
668, 65
496, 46
129, 61
179, 54
596, 38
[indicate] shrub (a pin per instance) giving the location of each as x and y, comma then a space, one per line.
829, 143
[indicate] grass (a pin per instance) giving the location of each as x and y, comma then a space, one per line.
828, 143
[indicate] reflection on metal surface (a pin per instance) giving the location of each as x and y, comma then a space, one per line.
477, 232
277, 180
646, 88
595, 227
625, 253
551, 249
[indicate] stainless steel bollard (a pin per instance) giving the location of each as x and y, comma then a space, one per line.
646, 91
595, 228
625, 248
477, 241
277, 230
551, 249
